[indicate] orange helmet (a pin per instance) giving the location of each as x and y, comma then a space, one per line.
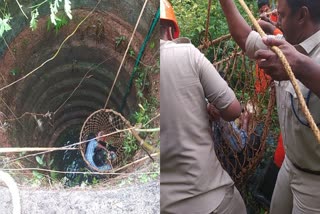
167, 13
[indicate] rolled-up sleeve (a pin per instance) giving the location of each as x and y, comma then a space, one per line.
254, 43
215, 88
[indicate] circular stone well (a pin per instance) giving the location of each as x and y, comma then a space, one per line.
50, 105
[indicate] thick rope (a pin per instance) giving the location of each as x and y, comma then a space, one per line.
13, 188
289, 72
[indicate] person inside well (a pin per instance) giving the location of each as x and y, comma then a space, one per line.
98, 155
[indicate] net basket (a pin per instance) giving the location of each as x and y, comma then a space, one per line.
111, 123
255, 92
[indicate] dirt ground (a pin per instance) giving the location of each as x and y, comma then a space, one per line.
142, 199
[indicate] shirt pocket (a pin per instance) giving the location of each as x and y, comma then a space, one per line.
312, 102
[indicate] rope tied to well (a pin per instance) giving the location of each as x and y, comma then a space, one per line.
288, 69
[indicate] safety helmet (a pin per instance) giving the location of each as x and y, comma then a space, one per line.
167, 13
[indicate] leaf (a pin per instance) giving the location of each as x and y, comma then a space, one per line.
22, 153
51, 162
39, 160
34, 20
54, 10
37, 174
152, 45
67, 8
4, 24
14, 72
53, 15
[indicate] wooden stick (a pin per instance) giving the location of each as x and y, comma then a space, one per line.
137, 161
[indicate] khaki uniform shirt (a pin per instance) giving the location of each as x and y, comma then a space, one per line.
300, 143
192, 179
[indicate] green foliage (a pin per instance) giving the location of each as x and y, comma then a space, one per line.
131, 52
153, 175
192, 17
42, 163
37, 175
129, 144
34, 19
60, 22
14, 72
54, 175
120, 39
54, 6
141, 82
141, 116
144, 178
4, 24
152, 45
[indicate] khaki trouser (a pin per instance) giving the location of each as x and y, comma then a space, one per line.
231, 203
295, 191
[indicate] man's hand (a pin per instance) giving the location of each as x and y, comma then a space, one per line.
270, 62
213, 112
267, 27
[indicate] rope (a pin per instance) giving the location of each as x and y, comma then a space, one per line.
215, 41
289, 72
79, 172
33, 149
13, 188
95, 173
208, 20
143, 46
125, 54
71, 145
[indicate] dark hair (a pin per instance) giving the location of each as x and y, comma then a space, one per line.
99, 157
262, 2
312, 5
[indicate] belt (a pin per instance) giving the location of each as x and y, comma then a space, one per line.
306, 170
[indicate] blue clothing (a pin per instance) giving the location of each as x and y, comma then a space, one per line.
234, 141
228, 132
92, 145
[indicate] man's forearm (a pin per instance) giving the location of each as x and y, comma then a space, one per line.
238, 27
